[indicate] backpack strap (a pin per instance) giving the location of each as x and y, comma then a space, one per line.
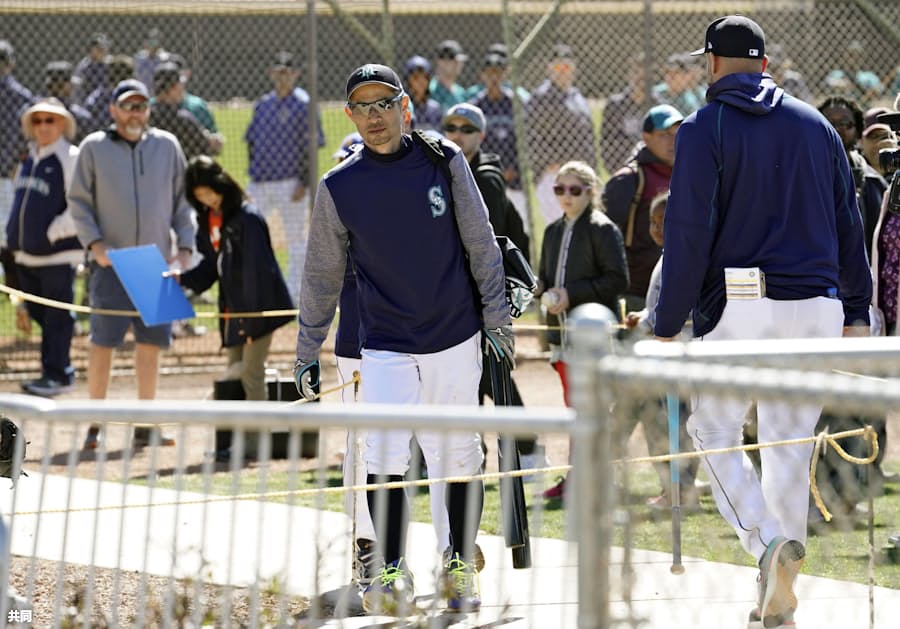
434, 151
635, 201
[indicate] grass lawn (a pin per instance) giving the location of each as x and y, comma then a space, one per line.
834, 553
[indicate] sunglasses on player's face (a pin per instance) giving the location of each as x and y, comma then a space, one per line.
574, 191
379, 106
466, 129
39, 121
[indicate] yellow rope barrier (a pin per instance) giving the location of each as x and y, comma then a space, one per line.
822, 438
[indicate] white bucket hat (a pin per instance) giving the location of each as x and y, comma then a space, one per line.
48, 106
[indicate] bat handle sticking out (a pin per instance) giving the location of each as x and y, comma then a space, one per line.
675, 491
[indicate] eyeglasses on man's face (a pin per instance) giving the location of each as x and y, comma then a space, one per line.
466, 129
39, 121
379, 106
574, 191
133, 106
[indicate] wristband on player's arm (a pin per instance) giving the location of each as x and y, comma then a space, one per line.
307, 378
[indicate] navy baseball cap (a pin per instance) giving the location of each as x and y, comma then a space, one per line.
416, 63
128, 88
661, 117
7, 53
734, 36
373, 73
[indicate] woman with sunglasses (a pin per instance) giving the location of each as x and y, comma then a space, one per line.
41, 234
582, 261
236, 251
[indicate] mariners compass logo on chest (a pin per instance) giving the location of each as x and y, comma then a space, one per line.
436, 201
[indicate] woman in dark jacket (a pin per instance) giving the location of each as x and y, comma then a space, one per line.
237, 252
582, 261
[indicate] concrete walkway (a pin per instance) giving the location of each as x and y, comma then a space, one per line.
247, 542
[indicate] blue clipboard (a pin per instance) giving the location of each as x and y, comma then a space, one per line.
158, 299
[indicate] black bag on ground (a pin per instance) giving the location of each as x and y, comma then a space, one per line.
11, 460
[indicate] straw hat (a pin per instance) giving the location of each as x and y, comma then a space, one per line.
48, 106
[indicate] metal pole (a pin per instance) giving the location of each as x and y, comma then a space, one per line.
313, 89
649, 55
387, 33
590, 330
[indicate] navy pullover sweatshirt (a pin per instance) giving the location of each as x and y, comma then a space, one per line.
412, 252
760, 180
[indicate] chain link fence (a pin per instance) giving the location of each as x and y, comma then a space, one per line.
622, 57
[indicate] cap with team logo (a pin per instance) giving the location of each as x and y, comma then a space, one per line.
734, 36
373, 73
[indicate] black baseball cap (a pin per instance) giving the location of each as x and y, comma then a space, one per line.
734, 36
450, 49
165, 76
373, 73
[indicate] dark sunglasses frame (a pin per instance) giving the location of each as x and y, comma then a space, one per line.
467, 129
40, 121
381, 105
574, 191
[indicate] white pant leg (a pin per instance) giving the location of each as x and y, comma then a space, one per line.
543, 190
270, 196
450, 377
7, 193
354, 467
760, 511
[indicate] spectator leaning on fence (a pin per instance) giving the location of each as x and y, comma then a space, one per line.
736, 204
41, 233
420, 321
128, 190
14, 99
627, 196
560, 127
278, 146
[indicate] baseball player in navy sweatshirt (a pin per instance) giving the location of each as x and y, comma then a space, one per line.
761, 187
418, 242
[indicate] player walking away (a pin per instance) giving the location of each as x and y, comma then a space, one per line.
744, 198
419, 319
277, 143
41, 234
128, 190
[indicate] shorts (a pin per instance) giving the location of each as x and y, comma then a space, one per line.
106, 291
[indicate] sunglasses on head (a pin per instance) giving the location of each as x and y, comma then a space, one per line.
380, 105
40, 121
466, 129
134, 106
574, 191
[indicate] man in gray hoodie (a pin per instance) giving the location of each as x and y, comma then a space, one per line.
128, 190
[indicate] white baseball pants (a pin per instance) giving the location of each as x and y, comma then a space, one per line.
270, 196
447, 377
778, 503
